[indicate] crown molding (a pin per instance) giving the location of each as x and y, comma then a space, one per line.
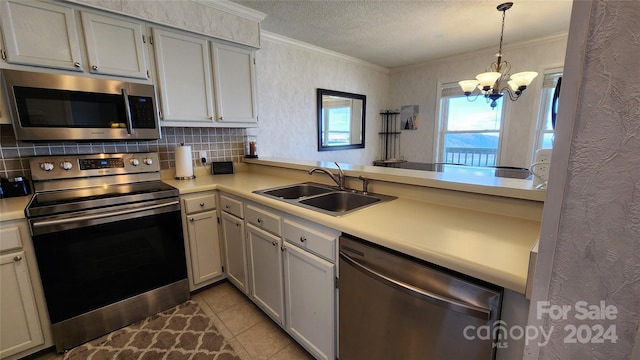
233, 8
266, 35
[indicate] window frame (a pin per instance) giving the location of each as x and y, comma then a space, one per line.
546, 99
452, 90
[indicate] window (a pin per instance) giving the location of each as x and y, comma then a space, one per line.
469, 132
544, 133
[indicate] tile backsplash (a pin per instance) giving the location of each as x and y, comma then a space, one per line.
221, 144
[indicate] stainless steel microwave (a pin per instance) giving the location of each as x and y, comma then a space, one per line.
51, 107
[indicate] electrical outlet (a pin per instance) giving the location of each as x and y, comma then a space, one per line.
540, 167
203, 157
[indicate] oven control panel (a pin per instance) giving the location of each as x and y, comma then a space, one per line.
79, 166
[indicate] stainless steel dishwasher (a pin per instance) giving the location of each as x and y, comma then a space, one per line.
396, 307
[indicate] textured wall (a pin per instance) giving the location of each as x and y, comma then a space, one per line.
287, 77
419, 85
597, 246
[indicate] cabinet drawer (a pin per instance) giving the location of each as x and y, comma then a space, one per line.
312, 239
198, 203
264, 219
10, 238
232, 206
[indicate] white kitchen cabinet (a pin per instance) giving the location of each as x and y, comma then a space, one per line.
184, 78
233, 231
310, 301
114, 45
234, 78
188, 66
203, 243
41, 34
22, 329
310, 293
265, 264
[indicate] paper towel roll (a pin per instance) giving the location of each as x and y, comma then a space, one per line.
184, 163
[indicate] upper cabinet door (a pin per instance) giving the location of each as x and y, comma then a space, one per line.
234, 77
184, 77
114, 46
42, 34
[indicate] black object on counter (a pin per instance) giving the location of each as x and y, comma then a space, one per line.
221, 167
14, 187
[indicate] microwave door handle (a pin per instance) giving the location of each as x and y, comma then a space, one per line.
127, 110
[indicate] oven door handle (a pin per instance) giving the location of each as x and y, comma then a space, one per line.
41, 223
445, 302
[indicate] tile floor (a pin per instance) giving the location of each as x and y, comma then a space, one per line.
250, 332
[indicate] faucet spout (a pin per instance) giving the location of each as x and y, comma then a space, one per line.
339, 180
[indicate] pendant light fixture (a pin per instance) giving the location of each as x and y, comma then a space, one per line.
491, 83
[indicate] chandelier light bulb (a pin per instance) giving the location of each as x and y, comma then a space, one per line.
468, 85
524, 78
488, 79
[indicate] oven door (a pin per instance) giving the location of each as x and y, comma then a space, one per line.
89, 260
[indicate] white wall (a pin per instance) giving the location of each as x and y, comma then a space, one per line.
288, 74
420, 85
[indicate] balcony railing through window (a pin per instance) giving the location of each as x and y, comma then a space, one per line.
472, 156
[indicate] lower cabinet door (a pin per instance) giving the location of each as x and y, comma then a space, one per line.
265, 264
204, 246
310, 301
235, 251
20, 326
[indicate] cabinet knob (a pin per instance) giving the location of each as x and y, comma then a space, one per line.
282, 248
274, 243
94, 67
221, 118
259, 221
210, 117
17, 258
192, 219
76, 64
238, 224
303, 239
227, 206
201, 204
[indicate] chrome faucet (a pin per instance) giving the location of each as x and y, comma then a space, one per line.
339, 181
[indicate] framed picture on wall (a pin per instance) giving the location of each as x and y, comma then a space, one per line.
409, 117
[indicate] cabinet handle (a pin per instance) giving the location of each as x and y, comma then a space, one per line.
192, 219
94, 67
201, 204
303, 239
274, 243
76, 64
17, 258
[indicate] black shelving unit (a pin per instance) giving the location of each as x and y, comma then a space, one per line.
390, 138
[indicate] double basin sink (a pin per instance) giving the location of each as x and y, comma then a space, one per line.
326, 199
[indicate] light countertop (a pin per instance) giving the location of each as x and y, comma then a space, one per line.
490, 247
494, 248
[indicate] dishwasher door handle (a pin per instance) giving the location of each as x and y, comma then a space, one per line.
442, 301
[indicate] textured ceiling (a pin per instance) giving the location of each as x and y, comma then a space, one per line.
394, 33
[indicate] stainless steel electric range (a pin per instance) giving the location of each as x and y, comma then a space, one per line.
108, 240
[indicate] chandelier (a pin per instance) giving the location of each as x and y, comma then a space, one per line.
491, 82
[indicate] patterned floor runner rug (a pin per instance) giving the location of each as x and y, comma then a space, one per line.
180, 333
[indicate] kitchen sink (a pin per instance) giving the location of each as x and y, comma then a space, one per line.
341, 201
324, 198
298, 191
